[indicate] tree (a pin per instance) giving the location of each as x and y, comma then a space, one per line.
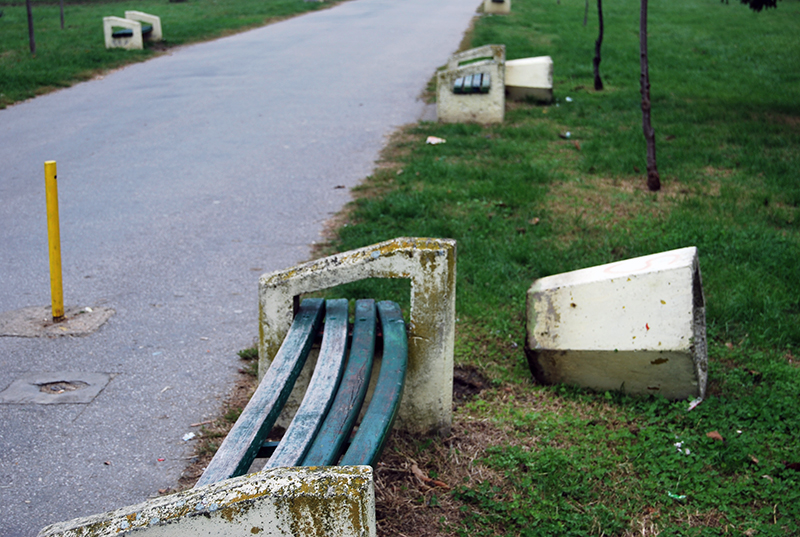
598, 82
653, 179
31, 39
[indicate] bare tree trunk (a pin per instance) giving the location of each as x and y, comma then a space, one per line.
31, 39
62, 14
586, 13
598, 83
653, 179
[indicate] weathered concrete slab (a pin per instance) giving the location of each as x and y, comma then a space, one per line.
530, 77
476, 107
37, 321
636, 325
332, 501
67, 387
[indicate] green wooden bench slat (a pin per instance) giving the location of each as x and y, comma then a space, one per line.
234, 456
374, 430
486, 83
475, 83
335, 431
321, 390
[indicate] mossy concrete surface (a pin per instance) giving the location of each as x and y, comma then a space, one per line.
331, 501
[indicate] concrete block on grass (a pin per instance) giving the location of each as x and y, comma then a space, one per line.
636, 325
530, 77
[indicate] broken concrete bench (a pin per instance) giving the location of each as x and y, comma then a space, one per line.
454, 105
130, 32
320, 430
328, 500
474, 85
637, 326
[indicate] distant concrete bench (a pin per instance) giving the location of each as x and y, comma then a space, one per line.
320, 430
130, 32
501, 7
454, 105
637, 326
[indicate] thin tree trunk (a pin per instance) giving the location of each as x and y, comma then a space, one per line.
598, 82
62, 14
586, 13
653, 179
31, 39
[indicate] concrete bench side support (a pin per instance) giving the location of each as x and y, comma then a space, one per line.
530, 77
636, 325
153, 20
430, 264
298, 502
479, 108
130, 43
497, 8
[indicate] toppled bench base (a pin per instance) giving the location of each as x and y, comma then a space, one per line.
530, 78
637, 326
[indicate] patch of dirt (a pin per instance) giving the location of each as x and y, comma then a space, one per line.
468, 382
602, 203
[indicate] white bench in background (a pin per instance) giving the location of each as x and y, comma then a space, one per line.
637, 326
132, 33
497, 6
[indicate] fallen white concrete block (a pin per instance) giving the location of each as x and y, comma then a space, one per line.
298, 502
530, 77
478, 106
497, 6
637, 326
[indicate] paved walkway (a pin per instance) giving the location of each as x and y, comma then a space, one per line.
181, 180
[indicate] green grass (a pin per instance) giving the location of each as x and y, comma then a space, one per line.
524, 203
76, 53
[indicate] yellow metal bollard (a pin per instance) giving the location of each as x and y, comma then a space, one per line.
54, 237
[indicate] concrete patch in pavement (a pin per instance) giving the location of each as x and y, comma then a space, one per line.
55, 388
37, 321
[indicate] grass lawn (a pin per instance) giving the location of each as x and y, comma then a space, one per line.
76, 53
524, 203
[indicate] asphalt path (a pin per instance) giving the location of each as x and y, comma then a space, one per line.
181, 180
